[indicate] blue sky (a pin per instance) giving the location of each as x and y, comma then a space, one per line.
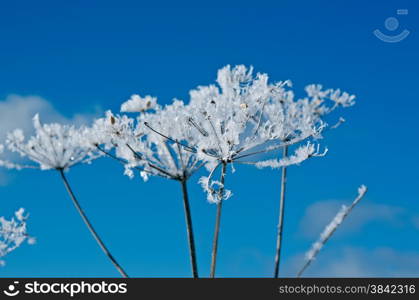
76, 59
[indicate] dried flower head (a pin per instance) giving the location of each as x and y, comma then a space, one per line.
53, 146
13, 233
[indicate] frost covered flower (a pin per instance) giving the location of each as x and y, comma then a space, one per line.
8, 164
59, 147
244, 115
290, 121
151, 143
214, 189
167, 132
53, 146
139, 104
13, 233
226, 117
118, 133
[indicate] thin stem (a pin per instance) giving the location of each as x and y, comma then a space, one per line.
89, 225
139, 157
330, 230
217, 223
216, 135
193, 150
110, 155
281, 215
199, 128
270, 148
189, 229
122, 161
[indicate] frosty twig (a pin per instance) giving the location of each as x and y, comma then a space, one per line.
330, 229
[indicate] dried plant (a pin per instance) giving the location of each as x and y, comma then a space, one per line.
57, 147
241, 119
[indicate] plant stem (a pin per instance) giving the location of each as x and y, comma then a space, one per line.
189, 229
217, 223
330, 229
281, 215
89, 225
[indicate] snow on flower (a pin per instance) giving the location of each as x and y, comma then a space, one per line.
13, 233
227, 116
151, 143
245, 114
53, 146
8, 164
214, 189
139, 104
301, 154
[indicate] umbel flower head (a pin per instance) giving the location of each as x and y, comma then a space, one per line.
140, 144
244, 115
290, 118
246, 112
59, 147
226, 117
290, 121
170, 150
53, 146
13, 233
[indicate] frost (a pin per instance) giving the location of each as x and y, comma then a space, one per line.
237, 119
245, 115
13, 233
9, 165
215, 190
301, 154
241, 115
152, 142
54, 146
139, 104
331, 228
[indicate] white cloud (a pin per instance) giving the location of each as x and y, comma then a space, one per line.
359, 262
16, 111
350, 261
319, 214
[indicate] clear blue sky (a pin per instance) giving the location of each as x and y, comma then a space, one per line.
82, 56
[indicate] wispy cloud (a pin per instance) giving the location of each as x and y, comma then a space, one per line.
349, 261
319, 214
360, 262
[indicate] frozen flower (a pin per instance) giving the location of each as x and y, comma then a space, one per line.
139, 104
13, 233
214, 189
244, 115
151, 143
53, 146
